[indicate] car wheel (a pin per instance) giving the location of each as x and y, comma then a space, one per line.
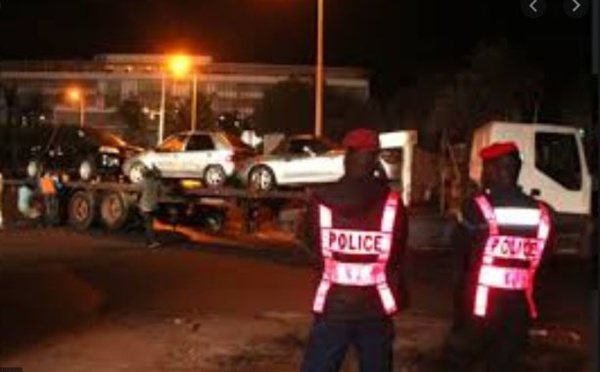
262, 178
34, 168
87, 170
214, 176
136, 172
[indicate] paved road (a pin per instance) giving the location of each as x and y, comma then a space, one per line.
56, 281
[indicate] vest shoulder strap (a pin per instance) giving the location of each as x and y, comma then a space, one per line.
488, 213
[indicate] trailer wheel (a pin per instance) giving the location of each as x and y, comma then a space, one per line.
114, 210
82, 209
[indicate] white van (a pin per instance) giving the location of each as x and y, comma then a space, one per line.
554, 168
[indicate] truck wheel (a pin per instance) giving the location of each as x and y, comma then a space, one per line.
82, 210
114, 210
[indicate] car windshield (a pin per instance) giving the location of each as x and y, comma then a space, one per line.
104, 138
316, 145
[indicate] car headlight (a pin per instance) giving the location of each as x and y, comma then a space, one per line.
110, 160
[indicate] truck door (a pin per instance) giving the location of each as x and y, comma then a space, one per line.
560, 176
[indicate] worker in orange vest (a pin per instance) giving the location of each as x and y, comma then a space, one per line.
500, 243
49, 188
360, 232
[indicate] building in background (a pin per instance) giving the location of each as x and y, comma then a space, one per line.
107, 80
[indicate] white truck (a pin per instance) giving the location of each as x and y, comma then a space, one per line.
554, 169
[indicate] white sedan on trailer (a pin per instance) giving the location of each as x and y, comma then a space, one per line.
296, 160
205, 155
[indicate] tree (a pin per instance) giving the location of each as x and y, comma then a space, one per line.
131, 113
500, 84
288, 107
33, 107
178, 114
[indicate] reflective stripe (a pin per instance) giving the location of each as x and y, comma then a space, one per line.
517, 216
481, 299
326, 222
325, 217
488, 213
357, 242
514, 247
321, 295
504, 277
544, 228
356, 274
389, 213
386, 297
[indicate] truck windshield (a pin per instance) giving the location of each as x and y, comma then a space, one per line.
557, 155
104, 138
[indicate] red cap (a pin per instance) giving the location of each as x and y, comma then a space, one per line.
498, 149
361, 139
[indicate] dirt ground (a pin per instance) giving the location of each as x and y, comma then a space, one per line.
131, 337
266, 342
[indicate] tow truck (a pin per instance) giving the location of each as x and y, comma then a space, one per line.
554, 169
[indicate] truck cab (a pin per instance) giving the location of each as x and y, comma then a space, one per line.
554, 170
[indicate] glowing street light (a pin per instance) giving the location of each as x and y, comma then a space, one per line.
75, 95
180, 65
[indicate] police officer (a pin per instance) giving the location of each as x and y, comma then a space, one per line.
360, 232
500, 242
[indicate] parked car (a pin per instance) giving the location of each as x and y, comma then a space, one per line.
305, 159
209, 156
82, 153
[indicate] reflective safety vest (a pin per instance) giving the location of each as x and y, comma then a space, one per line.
357, 243
519, 256
47, 185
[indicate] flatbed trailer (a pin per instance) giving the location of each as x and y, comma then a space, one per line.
114, 203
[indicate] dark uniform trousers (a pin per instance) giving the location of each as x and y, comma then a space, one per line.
500, 345
329, 341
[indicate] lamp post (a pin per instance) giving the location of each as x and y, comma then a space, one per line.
76, 96
319, 71
194, 104
161, 117
178, 65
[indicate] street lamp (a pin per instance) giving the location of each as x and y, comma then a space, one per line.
319, 71
179, 66
75, 95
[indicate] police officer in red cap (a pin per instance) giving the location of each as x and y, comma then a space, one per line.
500, 243
360, 232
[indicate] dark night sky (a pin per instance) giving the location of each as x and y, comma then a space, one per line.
395, 39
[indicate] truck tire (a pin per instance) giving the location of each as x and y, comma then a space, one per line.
114, 210
82, 210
